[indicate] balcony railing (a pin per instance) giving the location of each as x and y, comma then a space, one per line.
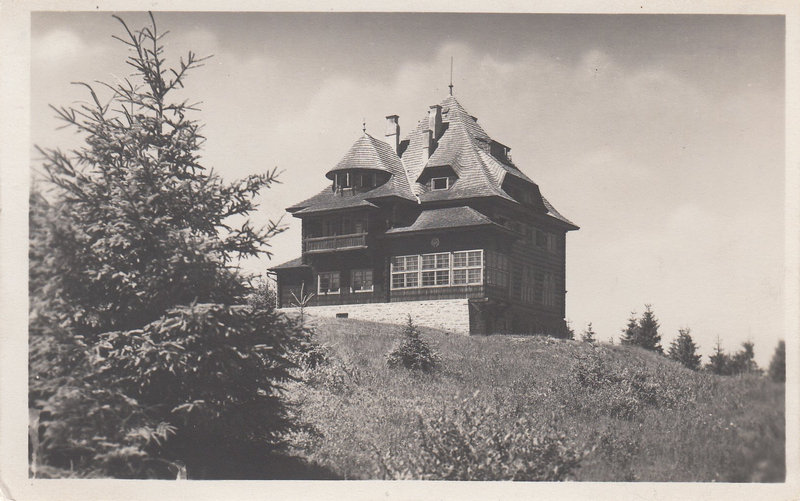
335, 243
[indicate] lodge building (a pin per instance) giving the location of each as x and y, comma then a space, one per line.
441, 214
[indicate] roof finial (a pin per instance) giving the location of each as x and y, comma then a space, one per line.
451, 76
364, 126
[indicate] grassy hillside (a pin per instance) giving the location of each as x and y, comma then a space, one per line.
601, 413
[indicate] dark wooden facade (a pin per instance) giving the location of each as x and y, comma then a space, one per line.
504, 250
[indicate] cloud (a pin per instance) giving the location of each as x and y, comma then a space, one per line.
674, 185
60, 46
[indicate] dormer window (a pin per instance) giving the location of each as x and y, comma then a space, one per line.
358, 180
344, 180
366, 180
440, 183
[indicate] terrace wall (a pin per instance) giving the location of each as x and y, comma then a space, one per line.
451, 315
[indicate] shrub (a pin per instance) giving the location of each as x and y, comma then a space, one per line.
263, 295
599, 388
200, 384
471, 444
413, 352
308, 353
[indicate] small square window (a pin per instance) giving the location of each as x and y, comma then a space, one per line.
328, 283
361, 280
440, 183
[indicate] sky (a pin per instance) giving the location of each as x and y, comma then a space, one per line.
661, 136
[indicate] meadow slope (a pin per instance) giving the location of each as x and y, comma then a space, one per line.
597, 412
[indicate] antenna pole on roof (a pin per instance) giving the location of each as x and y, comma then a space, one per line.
451, 76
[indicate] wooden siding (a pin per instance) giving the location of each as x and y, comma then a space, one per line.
493, 308
448, 292
526, 256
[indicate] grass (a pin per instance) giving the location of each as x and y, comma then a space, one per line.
592, 412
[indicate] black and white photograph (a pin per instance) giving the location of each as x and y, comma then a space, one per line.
437, 252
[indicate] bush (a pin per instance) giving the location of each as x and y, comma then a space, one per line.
263, 295
413, 352
599, 388
200, 384
308, 353
470, 444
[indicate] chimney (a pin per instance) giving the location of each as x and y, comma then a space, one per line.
427, 144
393, 132
435, 121
433, 133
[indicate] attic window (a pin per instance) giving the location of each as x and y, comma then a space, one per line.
440, 183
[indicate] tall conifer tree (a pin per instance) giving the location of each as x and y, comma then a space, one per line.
138, 355
647, 334
719, 362
684, 350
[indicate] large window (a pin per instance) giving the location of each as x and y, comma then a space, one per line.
438, 270
405, 272
497, 269
328, 283
467, 267
546, 240
549, 289
552, 243
528, 285
516, 282
545, 288
361, 280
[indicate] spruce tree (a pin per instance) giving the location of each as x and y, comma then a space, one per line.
413, 352
647, 334
719, 362
630, 334
777, 366
139, 355
743, 361
684, 350
588, 335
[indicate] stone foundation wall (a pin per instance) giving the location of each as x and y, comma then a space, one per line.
451, 315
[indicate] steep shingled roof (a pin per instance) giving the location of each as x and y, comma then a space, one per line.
464, 146
551, 211
369, 153
366, 153
445, 218
327, 200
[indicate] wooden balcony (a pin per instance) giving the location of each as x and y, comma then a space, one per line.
335, 243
